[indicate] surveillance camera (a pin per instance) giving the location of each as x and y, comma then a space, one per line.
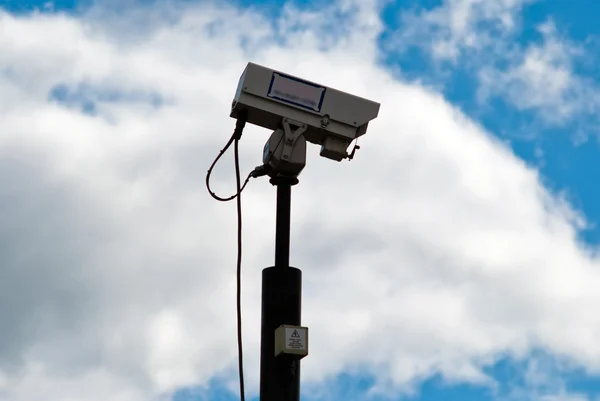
333, 118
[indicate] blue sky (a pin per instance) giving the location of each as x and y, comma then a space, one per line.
563, 149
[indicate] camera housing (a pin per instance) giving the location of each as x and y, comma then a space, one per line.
333, 118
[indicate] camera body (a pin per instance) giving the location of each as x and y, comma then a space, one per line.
333, 118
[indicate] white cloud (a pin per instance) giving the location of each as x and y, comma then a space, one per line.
541, 379
543, 78
435, 250
456, 26
480, 37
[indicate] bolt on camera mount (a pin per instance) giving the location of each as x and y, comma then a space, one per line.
298, 111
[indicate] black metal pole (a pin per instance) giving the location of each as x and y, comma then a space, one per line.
281, 304
282, 223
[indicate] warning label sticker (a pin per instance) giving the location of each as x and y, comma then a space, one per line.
295, 338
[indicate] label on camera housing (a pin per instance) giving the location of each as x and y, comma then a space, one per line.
297, 92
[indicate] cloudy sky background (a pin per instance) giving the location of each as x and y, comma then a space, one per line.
454, 258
